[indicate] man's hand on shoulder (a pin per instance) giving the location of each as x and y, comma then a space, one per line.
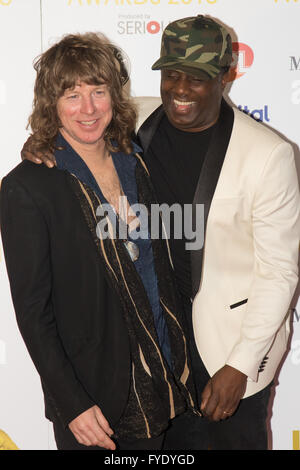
91, 428
223, 392
29, 153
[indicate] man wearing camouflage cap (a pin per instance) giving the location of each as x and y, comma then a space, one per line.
237, 289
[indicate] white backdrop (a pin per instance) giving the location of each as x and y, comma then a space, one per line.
268, 87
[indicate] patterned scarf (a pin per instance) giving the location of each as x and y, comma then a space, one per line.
156, 393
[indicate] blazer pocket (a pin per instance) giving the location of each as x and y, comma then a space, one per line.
238, 304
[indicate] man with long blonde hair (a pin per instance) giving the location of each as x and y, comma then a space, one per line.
99, 315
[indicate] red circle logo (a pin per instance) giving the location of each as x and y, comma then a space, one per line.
153, 27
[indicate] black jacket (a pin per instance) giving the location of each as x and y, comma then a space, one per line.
81, 305
51, 288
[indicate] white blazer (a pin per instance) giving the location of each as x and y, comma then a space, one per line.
250, 260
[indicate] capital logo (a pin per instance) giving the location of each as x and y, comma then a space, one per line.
259, 114
242, 60
5, 2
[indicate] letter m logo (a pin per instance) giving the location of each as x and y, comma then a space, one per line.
295, 64
295, 314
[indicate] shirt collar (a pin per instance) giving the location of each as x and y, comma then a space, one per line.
68, 159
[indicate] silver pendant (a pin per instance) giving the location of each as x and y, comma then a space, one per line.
132, 249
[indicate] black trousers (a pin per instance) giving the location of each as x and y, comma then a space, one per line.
181, 434
65, 440
246, 429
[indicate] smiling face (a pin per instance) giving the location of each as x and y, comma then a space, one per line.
191, 104
85, 112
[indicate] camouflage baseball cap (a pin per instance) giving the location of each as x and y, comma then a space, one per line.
197, 45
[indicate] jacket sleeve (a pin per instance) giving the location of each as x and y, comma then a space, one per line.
26, 246
276, 234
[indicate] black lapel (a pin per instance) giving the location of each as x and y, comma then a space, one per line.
149, 127
208, 181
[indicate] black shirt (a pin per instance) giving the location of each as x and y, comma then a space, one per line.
175, 160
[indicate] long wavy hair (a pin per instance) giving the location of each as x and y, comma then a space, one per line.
89, 58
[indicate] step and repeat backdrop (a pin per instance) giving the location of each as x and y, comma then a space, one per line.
266, 39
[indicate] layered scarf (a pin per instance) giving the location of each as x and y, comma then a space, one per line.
157, 393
